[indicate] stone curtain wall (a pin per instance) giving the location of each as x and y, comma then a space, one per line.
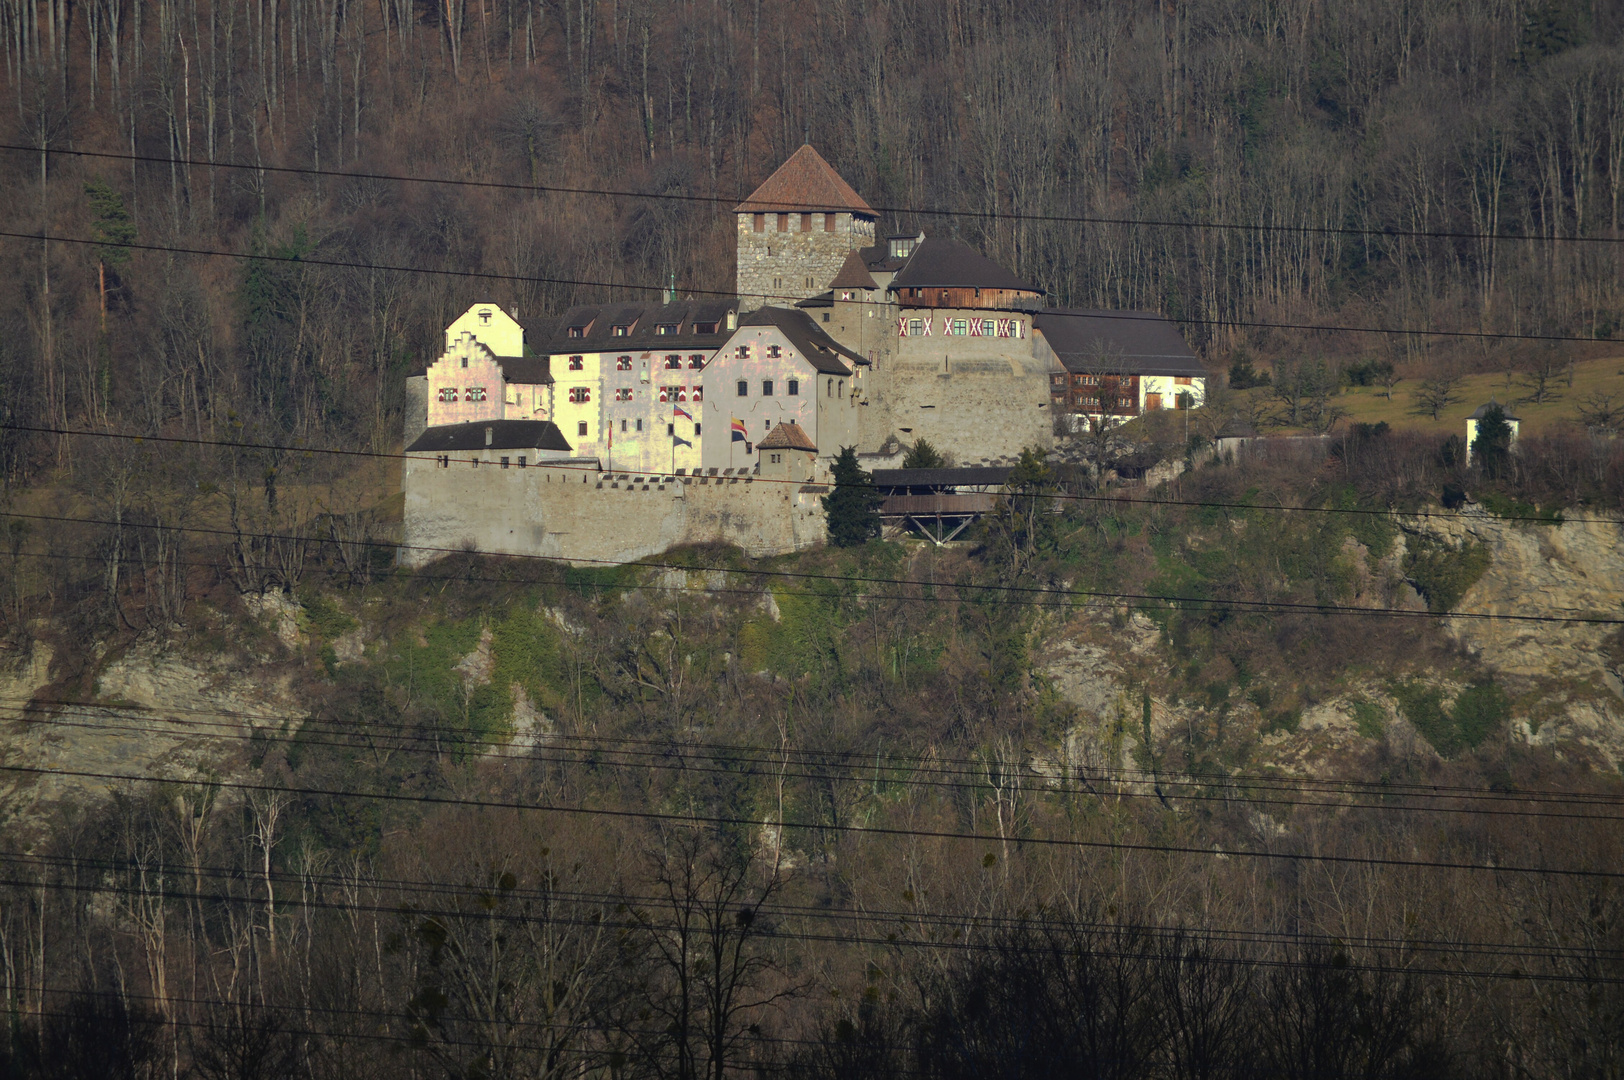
580, 515
774, 267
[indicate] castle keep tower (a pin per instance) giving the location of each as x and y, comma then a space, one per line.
796, 230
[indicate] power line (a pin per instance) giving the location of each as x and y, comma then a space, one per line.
486, 275
181, 440
434, 743
983, 215
868, 767
1038, 596
958, 943
854, 830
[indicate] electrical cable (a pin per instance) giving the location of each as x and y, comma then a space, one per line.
667, 474
793, 207
692, 820
430, 744
488, 275
1000, 594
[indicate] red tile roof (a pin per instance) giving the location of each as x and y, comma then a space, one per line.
804, 182
787, 436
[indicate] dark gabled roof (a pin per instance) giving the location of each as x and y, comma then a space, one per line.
1118, 343
967, 477
1482, 411
643, 321
823, 299
529, 370
804, 182
854, 274
503, 435
938, 263
787, 436
821, 351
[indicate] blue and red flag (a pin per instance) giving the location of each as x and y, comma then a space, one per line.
678, 410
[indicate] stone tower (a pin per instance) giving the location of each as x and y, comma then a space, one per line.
796, 230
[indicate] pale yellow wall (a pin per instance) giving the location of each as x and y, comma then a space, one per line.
491, 327
570, 415
1170, 388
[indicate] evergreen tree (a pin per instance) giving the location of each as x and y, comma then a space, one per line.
114, 232
924, 456
853, 507
1491, 449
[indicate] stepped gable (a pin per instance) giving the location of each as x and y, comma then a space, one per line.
1118, 342
805, 182
947, 264
787, 436
823, 352
854, 274
491, 435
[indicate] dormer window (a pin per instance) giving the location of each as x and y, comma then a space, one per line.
668, 329
903, 246
575, 332
619, 331
705, 328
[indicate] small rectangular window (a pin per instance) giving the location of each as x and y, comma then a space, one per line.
623, 363
696, 429
806, 222
744, 388
623, 425
673, 362
696, 362
761, 223
504, 462
580, 429
828, 222
521, 461
639, 424
576, 331
670, 429
766, 388
577, 363
748, 449
774, 352
793, 389
783, 223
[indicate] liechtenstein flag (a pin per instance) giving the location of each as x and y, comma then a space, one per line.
740, 432
678, 410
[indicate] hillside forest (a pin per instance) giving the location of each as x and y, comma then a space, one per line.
1302, 765
1375, 162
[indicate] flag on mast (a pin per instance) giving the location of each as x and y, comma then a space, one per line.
740, 432
678, 410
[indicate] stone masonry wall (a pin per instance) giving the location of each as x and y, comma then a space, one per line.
581, 515
783, 267
982, 400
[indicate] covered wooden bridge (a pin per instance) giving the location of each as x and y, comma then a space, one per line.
938, 504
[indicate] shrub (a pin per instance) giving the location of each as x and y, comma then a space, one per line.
1442, 574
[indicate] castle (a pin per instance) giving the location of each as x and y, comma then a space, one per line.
835, 340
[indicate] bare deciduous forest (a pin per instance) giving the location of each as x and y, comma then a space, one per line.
534, 821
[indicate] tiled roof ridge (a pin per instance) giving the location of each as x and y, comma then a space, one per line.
805, 182
787, 435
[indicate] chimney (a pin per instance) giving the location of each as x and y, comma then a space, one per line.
488, 433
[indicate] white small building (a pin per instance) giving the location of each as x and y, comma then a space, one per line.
788, 454
1478, 415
